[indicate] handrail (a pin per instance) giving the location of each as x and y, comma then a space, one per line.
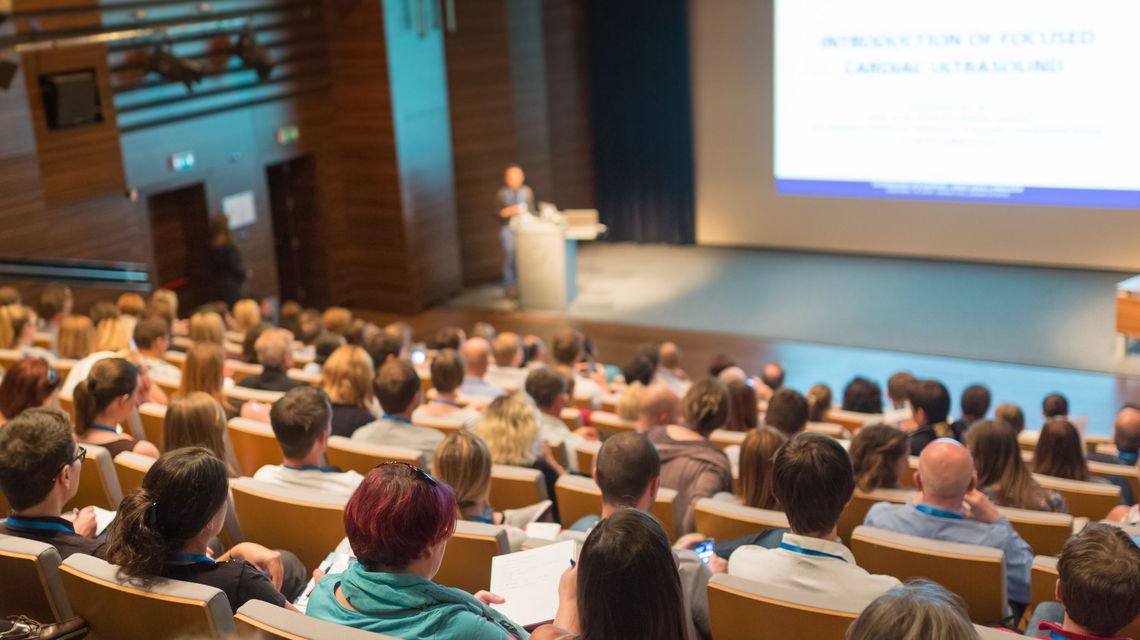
123, 275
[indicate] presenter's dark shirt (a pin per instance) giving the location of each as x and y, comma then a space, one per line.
60, 535
238, 579
508, 197
229, 272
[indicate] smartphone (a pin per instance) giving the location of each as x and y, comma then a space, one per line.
750, 382
706, 550
419, 356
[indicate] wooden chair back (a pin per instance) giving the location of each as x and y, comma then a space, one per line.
254, 445
31, 585
724, 438
152, 416
856, 511
67, 405
577, 497
308, 523
1108, 470
744, 610
1045, 532
362, 457
610, 423
130, 469
587, 452
1091, 500
723, 520
9, 358
665, 510
853, 421
571, 417
467, 560
98, 484
439, 425
242, 370
260, 620
516, 487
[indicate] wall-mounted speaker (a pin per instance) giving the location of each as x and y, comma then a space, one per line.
71, 99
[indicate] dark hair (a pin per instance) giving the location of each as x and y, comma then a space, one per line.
813, 480
705, 406
756, 455
1099, 571
862, 395
640, 369
719, 363
34, 446
1059, 451
626, 464
110, 378
743, 413
53, 299
447, 369
325, 344
29, 383
898, 386
997, 459
875, 454
567, 347
104, 310
774, 381
148, 329
628, 586
787, 411
1011, 414
249, 342
819, 402
447, 338
382, 345
396, 385
180, 494
1055, 405
975, 403
932, 398
544, 385
298, 418
531, 346
396, 515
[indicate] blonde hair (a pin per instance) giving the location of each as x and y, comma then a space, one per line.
14, 318
337, 320
131, 304
112, 334
164, 302
629, 405
506, 348
207, 326
76, 335
347, 376
195, 420
204, 370
463, 461
509, 428
272, 346
247, 313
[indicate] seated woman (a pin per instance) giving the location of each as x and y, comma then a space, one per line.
446, 377
510, 429
104, 401
205, 371
76, 337
198, 420
18, 331
164, 529
398, 523
756, 453
208, 326
1002, 475
463, 461
625, 585
880, 455
917, 610
246, 314
31, 382
347, 379
819, 402
690, 464
1061, 454
743, 410
249, 342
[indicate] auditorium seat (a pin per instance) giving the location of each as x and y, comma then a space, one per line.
723, 520
98, 484
558, 451
610, 423
467, 560
516, 487
1109, 470
836, 431
63, 366
578, 497
724, 438
31, 585
975, 573
1042, 581
253, 395
1027, 439
853, 421
308, 523
67, 405
587, 452
861, 502
9, 357
253, 443
571, 417
582, 403
260, 620
311, 379
745, 610
121, 608
1091, 500
1045, 532
907, 479
241, 370
438, 424
169, 387
176, 358
130, 468
153, 415
362, 457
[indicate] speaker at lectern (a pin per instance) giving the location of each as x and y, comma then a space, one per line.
547, 254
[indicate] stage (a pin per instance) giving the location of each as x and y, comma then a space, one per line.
1025, 331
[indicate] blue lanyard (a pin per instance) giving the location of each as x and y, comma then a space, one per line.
787, 546
192, 557
20, 523
312, 467
448, 403
1128, 458
99, 427
938, 513
398, 419
1056, 636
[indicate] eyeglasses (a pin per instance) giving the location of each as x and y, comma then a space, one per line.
423, 474
77, 458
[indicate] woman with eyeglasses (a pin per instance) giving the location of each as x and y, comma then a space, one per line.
104, 401
398, 523
31, 382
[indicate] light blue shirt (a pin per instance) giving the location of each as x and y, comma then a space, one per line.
480, 388
1018, 557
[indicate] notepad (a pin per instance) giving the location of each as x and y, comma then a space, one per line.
103, 519
333, 564
528, 581
544, 530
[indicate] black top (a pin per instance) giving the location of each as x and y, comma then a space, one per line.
270, 379
508, 197
926, 434
347, 418
229, 272
238, 579
57, 532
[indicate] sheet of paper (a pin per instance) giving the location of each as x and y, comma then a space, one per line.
103, 519
528, 581
333, 564
543, 530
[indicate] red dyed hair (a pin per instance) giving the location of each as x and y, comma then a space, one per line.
395, 515
27, 384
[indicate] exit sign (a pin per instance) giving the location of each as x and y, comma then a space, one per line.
288, 134
183, 161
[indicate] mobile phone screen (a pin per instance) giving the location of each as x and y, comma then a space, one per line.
705, 550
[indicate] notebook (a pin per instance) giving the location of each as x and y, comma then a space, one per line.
528, 581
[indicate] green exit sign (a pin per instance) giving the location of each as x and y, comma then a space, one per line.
183, 161
288, 134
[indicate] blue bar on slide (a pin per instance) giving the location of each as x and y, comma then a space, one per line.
1100, 198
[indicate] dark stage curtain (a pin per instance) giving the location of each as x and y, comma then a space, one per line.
642, 119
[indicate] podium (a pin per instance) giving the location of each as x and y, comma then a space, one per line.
547, 256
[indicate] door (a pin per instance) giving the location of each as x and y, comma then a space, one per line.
179, 228
293, 201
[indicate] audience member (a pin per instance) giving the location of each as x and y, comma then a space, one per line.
629, 403
197, 420
669, 372
301, 422
659, 407
568, 349
756, 455
205, 370
772, 375
898, 392
31, 382
383, 346
862, 395
249, 342
743, 411
510, 429
337, 320
975, 405
448, 338
10, 295
247, 314
275, 353
208, 326
152, 339
719, 363
484, 330
1002, 474
164, 529
398, 388
950, 508
1098, 587
1126, 437
40, 465
75, 337
880, 457
311, 326
548, 388
917, 610
446, 377
534, 351
104, 401
289, 316
398, 523
1055, 405
819, 402
113, 335
164, 303
507, 371
787, 412
1012, 415
476, 355
1061, 453
324, 347
930, 403
18, 331
690, 464
347, 379
54, 306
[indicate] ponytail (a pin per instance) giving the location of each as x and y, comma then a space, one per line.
136, 545
109, 378
85, 407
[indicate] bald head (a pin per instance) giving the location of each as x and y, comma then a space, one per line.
946, 470
732, 374
476, 353
669, 355
1126, 433
658, 406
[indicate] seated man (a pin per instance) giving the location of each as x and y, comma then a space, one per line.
930, 408
397, 388
476, 355
446, 375
302, 424
548, 388
813, 480
568, 350
1098, 587
669, 372
787, 412
152, 338
657, 407
1126, 436
507, 371
39, 473
946, 480
275, 354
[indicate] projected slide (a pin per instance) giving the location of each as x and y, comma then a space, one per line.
1008, 101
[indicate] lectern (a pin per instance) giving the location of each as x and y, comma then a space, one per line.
547, 256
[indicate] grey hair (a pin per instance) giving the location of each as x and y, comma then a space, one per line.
917, 610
